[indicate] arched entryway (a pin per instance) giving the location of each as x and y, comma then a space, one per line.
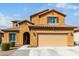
26, 38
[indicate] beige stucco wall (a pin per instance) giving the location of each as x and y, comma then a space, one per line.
33, 39
44, 18
17, 39
5, 38
35, 19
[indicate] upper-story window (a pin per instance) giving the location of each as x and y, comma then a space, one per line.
52, 20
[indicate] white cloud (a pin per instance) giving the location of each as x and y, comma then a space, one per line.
5, 20
67, 6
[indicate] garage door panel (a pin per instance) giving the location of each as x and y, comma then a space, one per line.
52, 39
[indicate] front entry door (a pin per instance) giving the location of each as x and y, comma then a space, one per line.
26, 38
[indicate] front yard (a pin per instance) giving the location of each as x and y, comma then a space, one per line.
9, 52
6, 53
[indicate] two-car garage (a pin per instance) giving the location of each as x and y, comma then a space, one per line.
51, 36
52, 39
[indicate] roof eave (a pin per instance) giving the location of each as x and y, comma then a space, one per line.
25, 21
4, 30
39, 12
49, 27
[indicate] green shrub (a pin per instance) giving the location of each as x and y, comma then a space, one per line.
5, 46
12, 44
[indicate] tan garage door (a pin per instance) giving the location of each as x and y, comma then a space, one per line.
52, 39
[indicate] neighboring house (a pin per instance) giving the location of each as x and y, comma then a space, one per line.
45, 28
76, 35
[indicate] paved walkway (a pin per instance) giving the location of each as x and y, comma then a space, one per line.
47, 51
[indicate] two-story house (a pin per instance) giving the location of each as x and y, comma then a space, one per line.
45, 28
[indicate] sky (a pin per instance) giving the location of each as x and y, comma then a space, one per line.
22, 11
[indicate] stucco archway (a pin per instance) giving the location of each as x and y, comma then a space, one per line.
26, 38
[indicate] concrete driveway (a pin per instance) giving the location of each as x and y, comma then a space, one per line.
47, 51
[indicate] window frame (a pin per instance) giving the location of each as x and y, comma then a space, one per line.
11, 38
57, 21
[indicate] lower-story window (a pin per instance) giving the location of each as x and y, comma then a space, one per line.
12, 37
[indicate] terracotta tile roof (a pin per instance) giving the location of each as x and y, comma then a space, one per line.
10, 29
51, 25
39, 12
20, 21
46, 11
50, 11
25, 21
